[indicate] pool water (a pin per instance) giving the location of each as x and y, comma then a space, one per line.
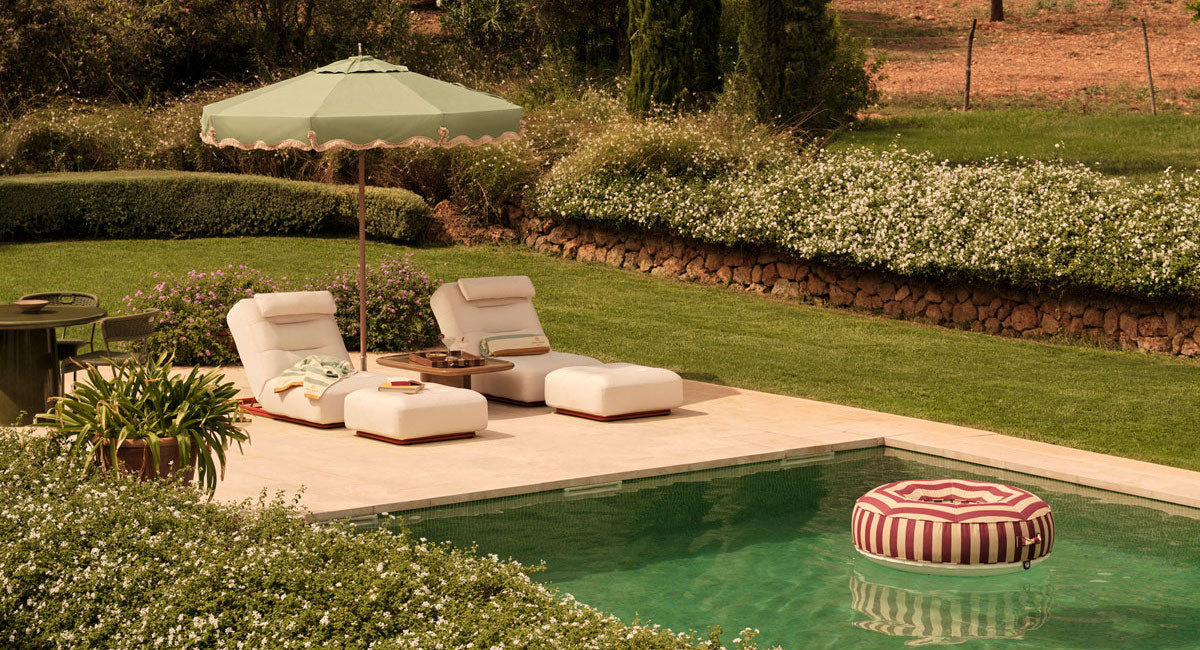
768, 546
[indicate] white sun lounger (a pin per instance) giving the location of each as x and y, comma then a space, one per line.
475, 308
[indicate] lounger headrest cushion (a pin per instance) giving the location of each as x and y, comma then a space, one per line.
496, 288
295, 306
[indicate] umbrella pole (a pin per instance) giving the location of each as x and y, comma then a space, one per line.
362, 261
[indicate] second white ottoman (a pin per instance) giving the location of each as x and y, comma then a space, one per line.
613, 391
435, 413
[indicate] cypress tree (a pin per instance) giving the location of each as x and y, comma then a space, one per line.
796, 66
762, 57
673, 52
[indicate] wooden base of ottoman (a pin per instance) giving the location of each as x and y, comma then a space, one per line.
415, 441
251, 406
613, 418
514, 402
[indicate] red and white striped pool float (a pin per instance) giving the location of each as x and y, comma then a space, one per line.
953, 526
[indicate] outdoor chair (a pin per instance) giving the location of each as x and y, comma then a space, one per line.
273, 332
133, 328
69, 347
472, 309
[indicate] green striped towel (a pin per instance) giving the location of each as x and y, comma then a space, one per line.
316, 373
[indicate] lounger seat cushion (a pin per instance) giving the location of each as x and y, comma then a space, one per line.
329, 409
433, 411
526, 382
613, 390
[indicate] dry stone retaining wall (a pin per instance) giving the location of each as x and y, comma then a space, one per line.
1152, 327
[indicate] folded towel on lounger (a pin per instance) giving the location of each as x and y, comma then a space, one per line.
316, 373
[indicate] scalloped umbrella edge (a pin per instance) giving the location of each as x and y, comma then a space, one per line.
359, 103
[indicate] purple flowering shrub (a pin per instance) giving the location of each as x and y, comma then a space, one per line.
398, 312
194, 306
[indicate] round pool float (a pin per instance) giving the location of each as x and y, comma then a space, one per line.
953, 527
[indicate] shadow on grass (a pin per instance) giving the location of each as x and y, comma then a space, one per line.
900, 33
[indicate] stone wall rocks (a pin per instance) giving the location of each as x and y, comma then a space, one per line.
1172, 328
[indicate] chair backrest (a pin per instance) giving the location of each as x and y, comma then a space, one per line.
130, 327
273, 331
474, 308
66, 298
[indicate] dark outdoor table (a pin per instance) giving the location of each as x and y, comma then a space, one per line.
29, 371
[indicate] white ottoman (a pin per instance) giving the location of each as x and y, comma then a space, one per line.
435, 413
613, 391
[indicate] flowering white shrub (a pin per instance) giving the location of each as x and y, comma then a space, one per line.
1021, 222
104, 561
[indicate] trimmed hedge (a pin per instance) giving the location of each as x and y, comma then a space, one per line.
173, 205
104, 561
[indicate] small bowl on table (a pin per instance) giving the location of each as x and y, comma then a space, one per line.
31, 306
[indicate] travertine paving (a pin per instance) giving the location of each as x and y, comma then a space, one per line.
526, 450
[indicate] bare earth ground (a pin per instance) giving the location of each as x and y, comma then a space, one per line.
1046, 51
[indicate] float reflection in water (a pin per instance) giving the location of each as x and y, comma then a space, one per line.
942, 611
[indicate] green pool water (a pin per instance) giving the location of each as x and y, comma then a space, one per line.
768, 546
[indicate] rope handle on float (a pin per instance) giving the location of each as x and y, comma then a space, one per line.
1029, 541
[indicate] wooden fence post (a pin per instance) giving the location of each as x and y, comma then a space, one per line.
1149, 76
970, 47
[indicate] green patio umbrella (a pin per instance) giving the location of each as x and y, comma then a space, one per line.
359, 103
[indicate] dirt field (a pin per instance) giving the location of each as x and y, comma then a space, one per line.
1046, 51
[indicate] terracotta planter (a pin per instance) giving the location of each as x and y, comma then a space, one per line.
135, 458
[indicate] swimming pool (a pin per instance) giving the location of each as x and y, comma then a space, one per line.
767, 546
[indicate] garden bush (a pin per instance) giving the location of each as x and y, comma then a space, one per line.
479, 180
1047, 226
194, 304
77, 137
82, 136
673, 56
116, 205
798, 67
398, 313
92, 559
495, 28
142, 50
495, 34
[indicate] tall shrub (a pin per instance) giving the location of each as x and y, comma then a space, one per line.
590, 33
134, 50
798, 67
497, 29
502, 31
673, 55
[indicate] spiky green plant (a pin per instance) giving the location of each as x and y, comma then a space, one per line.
144, 401
674, 60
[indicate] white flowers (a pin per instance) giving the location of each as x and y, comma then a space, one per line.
1022, 222
120, 564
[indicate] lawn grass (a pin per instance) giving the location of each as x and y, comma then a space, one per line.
1124, 403
1136, 146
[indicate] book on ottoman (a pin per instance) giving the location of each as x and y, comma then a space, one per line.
401, 385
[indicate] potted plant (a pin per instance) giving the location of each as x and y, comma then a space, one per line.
148, 423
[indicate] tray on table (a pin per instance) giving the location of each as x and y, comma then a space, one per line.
439, 359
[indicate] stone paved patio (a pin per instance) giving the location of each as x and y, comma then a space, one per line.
527, 450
